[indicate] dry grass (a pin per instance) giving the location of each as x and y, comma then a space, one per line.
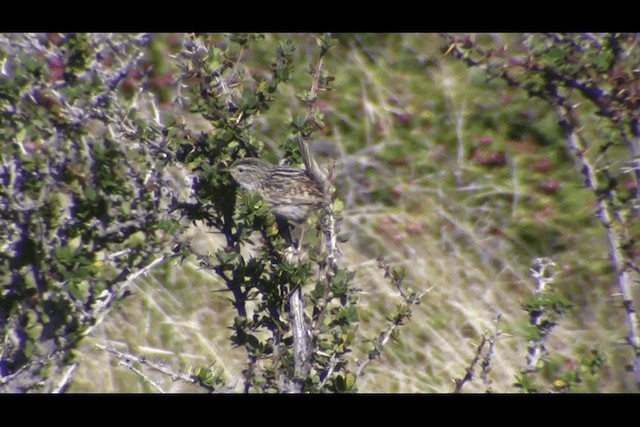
443, 234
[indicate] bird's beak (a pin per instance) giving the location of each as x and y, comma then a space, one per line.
224, 166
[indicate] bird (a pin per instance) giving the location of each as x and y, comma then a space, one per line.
289, 193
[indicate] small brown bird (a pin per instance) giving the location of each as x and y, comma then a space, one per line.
290, 193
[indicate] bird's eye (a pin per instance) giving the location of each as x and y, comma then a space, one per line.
240, 169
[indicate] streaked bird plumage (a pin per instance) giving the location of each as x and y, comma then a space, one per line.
290, 193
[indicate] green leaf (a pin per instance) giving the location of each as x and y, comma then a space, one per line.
298, 123
317, 292
326, 42
525, 383
90, 194
344, 382
64, 254
215, 60
168, 225
226, 258
74, 290
531, 333
602, 60
398, 273
339, 283
347, 315
594, 362
344, 237
287, 48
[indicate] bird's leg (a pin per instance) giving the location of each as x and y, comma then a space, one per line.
285, 230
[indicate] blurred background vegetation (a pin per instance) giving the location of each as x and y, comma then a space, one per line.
460, 178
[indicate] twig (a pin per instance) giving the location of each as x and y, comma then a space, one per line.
301, 353
611, 104
66, 378
333, 362
26, 369
380, 343
541, 276
108, 297
128, 358
112, 83
471, 368
404, 313
300, 330
606, 214
485, 365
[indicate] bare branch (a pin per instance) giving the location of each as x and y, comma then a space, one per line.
541, 275
127, 359
109, 296
301, 332
471, 368
606, 214
66, 379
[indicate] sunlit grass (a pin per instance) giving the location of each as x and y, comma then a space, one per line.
412, 134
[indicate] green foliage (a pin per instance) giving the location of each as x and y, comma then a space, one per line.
210, 377
96, 126
563, 375
588, 81
525, 384
68, 198
546, 308
268, 279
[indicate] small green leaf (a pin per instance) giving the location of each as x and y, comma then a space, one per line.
170, 226
298, 122
398, 273
64, 254
74, 290
349, 381
337, 206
